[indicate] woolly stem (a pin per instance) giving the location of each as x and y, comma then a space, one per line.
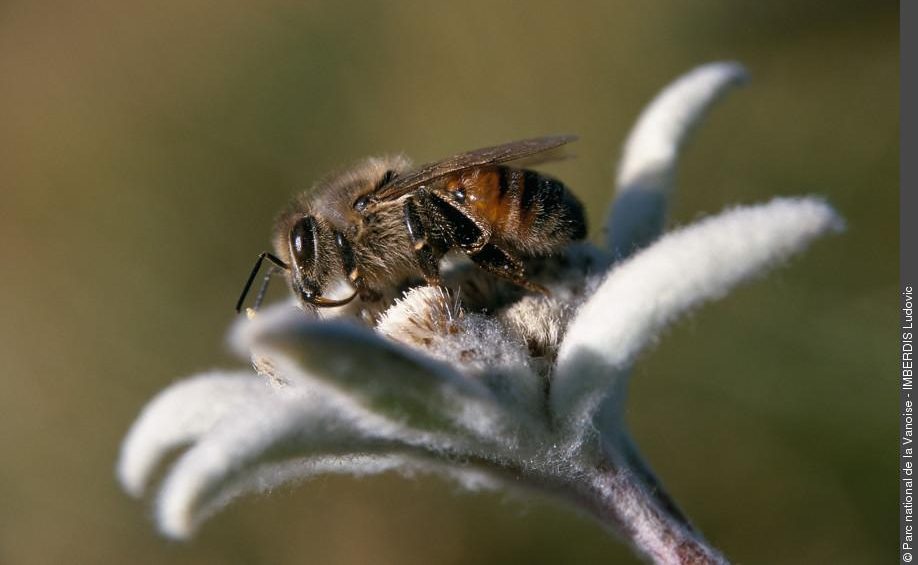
631, 458
622, 493
619, 500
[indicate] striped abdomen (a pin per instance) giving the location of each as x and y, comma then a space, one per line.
525, 210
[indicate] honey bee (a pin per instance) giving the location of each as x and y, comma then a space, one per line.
380, 223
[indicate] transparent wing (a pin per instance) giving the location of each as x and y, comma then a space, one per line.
477, 158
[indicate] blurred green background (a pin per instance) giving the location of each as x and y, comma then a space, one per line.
145, 148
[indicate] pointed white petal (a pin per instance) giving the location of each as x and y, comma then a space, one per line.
242, 333
181, 522
177, 416
647, 168
683, 269
384, 376
265, 445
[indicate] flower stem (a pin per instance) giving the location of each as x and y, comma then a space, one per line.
621, 499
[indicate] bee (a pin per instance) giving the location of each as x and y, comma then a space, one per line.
381, 223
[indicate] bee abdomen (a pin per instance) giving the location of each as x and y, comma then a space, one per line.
549, 214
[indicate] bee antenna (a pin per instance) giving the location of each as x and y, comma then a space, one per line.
264, 286
263, 289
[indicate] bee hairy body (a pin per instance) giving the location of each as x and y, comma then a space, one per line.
379, 224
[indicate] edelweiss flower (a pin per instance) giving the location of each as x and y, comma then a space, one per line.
482, 384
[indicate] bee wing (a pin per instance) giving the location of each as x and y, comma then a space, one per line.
477, 158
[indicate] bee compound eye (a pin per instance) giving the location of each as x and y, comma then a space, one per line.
303, 240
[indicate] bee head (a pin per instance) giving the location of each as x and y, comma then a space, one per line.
311, 247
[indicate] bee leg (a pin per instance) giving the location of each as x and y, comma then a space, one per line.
456, 227
369, 295
352, 271
365, 293
427, 257
500, 263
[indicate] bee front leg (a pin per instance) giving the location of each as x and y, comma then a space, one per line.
352, 271
427, 257
500, 263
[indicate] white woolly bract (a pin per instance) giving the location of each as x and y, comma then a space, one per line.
179, 415
179, 519
265, 433
647, 168
429, 319
243, 331
388, 378
684, 268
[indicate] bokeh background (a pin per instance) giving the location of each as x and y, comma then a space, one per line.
146, 146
